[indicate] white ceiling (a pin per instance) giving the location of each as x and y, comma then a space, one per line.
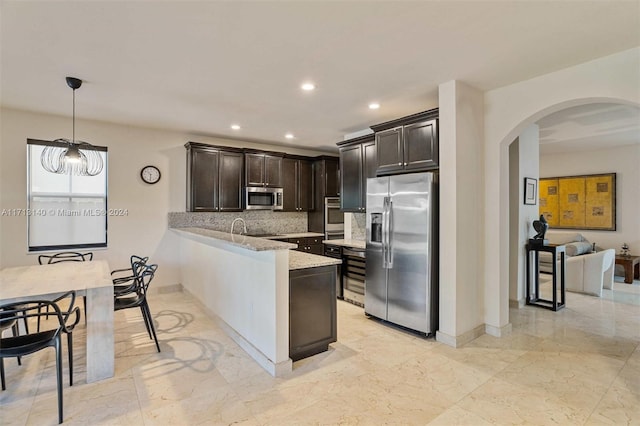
200, 66
589, 127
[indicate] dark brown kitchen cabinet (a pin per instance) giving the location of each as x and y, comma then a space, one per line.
357, 163
326, 183
408, 144
297, 186
231, 169
312, 311
214, 178
327, 176
263, 170
311, 245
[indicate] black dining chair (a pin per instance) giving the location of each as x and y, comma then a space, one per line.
26, 344
123, 279
67, 256
136, 296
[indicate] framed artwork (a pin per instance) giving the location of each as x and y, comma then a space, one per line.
530, 190
579, 202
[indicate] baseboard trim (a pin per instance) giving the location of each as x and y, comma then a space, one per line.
462, 339
172, 288
516, 304
275, 369
494, 331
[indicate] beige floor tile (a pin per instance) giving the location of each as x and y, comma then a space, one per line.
579, 365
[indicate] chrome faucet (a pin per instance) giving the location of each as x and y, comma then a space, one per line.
244, 225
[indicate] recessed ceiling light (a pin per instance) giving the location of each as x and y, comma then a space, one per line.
289, 136
374, 105
235, 126
308, 87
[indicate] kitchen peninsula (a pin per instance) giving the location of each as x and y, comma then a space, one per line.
245, 283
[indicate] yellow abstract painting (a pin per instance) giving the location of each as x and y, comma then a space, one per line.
579, 202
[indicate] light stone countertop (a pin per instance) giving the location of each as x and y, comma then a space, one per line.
250, 243
360, 244
296, 235
300, 260
297, 259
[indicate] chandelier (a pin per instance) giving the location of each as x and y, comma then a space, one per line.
72, 156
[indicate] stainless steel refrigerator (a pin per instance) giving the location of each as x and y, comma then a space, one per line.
401, 283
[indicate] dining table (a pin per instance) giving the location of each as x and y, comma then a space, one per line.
90, 279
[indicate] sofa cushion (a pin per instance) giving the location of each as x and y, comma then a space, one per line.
559, 237
576, 249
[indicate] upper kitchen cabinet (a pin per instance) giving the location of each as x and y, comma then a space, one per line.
327, 176
262, 169
214, 178
297, 184
408, 144
357, 164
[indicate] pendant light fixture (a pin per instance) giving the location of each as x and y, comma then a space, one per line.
72, 156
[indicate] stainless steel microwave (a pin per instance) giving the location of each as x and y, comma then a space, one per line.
263, 198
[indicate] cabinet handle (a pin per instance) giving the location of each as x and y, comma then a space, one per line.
406, 164
399, 164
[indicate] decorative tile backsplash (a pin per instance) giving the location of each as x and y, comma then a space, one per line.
258, 221
359, 226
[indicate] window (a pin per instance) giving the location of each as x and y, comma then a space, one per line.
64, 211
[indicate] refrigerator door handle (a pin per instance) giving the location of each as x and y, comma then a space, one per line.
385, 223
390, 234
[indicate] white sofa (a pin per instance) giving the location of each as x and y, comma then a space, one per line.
586, 272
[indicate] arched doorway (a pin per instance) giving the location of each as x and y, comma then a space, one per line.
508, 263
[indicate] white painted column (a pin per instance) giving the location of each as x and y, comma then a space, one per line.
527, 166
461, 213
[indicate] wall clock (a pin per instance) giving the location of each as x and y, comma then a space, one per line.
150, 174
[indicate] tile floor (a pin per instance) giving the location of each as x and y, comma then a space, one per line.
580, 365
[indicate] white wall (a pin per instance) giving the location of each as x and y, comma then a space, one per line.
508, 111
625, 162
144, 230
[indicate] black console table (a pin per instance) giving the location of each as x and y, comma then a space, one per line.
533, 293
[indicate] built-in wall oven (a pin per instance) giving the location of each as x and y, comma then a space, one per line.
333, 219
353, 275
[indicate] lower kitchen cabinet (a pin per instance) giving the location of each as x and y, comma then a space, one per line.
311, 245
312, 311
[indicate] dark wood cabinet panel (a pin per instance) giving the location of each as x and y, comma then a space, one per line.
203, 183
254, 169
421, 145
272, 170
332, 178
351, 178
312, 311
214, 178
389, 150
305, 180
311, 245
370, 162
231, 168
289, 185
326, 183
297, 186
263, 170
357, 163
408, 144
